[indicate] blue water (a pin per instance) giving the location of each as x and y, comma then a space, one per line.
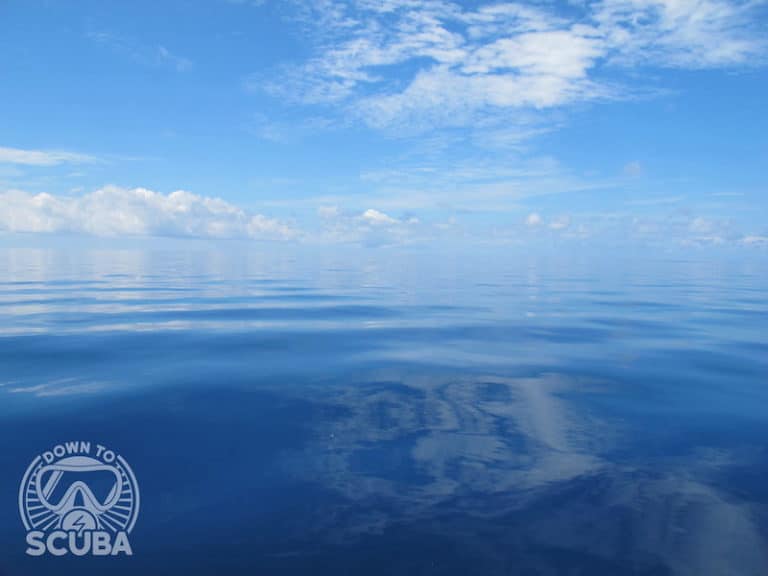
381, 413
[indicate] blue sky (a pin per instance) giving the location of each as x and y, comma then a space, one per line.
387, 122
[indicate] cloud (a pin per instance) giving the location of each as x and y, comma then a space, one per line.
147, 54
533, 219
755, 241
165, 56
138, 212
633, 169
700, 225
114, 211
400, 62
375, 217
691, 34
371, 227
682, 229
560, 223
328, 211
42, 157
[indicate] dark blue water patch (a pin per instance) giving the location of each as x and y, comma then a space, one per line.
388, 458
651, 393
756, 350
715, 314
743, 477
714, 363
180, 449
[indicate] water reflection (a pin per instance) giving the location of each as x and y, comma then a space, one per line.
459, 435
441, 456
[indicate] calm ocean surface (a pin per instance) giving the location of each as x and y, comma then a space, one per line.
398, 414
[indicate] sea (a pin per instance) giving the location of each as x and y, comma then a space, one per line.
382, 411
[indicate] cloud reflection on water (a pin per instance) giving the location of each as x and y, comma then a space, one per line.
430, 454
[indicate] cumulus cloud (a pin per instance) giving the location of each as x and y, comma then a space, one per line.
535, 220
114, 211
42, 157
371, 227
377, 218
396, 62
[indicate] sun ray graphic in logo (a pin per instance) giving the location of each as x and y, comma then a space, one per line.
81, 499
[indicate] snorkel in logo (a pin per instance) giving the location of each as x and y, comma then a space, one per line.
79, 499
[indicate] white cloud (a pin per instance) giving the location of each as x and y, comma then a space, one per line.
560, 223
755, 240
562, 53
701, 225
397, 62
680, 33
114, 211
372, 216
371, 227
533, 219
685, 230
42, 157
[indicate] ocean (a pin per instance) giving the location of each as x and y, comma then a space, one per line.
393, 412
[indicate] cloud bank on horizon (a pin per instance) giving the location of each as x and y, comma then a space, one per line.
114, 211
396, 121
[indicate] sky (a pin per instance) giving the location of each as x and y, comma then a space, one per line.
389, 122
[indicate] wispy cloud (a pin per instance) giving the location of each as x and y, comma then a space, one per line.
435, 63
42, 157
114, 211
680, 33
761, 241
180, 63
145, 53
633, 169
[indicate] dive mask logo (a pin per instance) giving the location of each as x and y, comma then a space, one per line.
79, 499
